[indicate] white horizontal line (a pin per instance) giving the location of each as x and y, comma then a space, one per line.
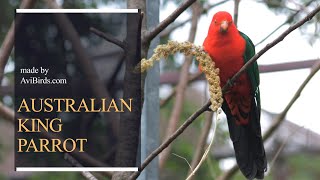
55, 169
107, 10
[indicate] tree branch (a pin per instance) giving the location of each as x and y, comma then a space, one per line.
273, 43
207, 150
205, 107
86, 64
282, 115
172, 77
202, 142
208, 7
8, 41
183, 82
172, 17
166, 143
193, 78
282, 145
294, 65
109, 38
279, 119
289, 19
75, 163
236, 12
130, 122
173, 27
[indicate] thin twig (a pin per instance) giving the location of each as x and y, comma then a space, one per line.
279, 119
8, 41
206, 152
272, 44
289, 19
208, 7
70, 33
236, 11
211, 167
74, 162
185, 159
166, 143
172, 17
181, 87
108, 37
177, 108
193, 78
275, 30
205, 107
283, 144
172, 77
202, 141
173, 27
281, 116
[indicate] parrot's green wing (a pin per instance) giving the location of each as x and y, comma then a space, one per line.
253, 70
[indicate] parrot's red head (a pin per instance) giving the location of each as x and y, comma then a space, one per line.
222, 23
223, 42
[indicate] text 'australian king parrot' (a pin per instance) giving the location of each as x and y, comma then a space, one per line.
230, 49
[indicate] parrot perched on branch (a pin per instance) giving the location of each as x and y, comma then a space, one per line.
230, 49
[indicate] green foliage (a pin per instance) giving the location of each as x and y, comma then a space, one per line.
6, 8
188, 109
213, 167
1, 152
176, 164
301, 166
289, 8
184, 146
304, 166
275, 4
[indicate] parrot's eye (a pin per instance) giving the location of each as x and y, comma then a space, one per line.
215, 21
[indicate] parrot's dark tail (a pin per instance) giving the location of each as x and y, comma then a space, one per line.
248, 143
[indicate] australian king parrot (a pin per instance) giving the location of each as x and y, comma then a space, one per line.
230, 49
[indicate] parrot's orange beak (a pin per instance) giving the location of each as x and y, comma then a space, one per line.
224, 26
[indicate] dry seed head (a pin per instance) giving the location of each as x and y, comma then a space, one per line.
207, 65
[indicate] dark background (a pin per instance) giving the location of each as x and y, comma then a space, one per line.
41, 43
